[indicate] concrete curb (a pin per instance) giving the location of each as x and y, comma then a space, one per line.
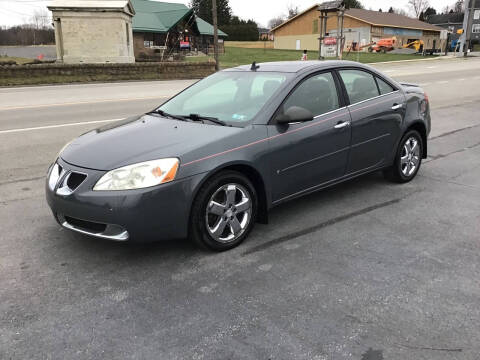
411, 60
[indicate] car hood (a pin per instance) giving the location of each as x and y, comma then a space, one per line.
139, 139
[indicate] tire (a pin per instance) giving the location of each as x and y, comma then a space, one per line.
408, 159
224, 211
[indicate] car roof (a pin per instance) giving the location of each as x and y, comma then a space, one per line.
296, 66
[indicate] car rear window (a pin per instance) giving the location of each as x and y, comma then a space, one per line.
360, 85
384, 87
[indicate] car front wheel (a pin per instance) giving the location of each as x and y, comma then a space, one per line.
224, 211
408, 158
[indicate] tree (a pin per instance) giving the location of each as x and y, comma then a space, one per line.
203, 8
429, 11
391, 11
380, 10
421, 17
353, 4
241, 30
400, 11
418, 6
459, 6
273, 23
292, 11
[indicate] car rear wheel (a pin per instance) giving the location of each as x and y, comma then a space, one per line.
224, 211
407, 160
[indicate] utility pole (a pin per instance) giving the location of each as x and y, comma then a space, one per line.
469, 10
215, 34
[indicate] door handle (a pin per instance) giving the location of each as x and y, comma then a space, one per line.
397, 106
341, 125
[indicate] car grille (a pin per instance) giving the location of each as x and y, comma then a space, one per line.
105, 231
86, 225
64, 181
75, 179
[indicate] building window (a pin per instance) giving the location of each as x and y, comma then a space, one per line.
315, 26
128, 34
476, 28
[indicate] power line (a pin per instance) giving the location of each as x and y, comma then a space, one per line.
25, 14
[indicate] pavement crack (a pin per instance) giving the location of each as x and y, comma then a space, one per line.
453, 132
441, 156
322, 225
449, 182
430, 348
21, 180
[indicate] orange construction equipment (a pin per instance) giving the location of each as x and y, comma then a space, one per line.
383, 45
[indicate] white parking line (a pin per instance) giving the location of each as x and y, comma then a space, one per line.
56, 126
443, 82
81, 103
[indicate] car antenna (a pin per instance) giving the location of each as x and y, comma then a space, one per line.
255, 66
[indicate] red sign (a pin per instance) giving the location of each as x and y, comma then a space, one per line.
330, 41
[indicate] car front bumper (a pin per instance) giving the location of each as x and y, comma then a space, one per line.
152, 214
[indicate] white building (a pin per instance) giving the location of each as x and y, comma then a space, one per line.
91, 31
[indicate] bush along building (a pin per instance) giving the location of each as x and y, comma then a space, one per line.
161, 29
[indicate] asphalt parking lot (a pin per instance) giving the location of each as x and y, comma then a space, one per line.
366, 270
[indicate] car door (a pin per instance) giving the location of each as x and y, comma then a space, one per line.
305, 155
377, 110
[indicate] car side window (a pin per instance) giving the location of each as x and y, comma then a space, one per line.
317, 94
384, 87
360, 85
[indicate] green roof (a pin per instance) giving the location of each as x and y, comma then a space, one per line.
155, 16
160, 17
207, 29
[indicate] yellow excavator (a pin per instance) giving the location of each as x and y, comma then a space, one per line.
416, 44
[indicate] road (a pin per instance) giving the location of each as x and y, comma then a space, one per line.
365, 270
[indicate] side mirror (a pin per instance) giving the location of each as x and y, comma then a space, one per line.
294, 114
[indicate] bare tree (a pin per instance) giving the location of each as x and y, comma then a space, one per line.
459, 6
276, 21
292, 11
400, 11
418, 6
41, 19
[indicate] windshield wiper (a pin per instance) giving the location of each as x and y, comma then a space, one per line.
197, 117
165, 114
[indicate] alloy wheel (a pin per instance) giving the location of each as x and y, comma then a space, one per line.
228, 213
410, 157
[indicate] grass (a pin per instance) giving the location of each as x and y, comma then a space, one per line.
235, 56
18, 60
250, 44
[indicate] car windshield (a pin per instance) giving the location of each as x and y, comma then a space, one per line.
234, 97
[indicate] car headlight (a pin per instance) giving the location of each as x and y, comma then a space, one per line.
139, 176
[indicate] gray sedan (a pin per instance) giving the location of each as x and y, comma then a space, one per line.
214, 159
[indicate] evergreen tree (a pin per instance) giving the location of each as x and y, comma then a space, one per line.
353, 4
391, 11
429, 11
203, 9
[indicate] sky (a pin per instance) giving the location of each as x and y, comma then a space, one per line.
14, 12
